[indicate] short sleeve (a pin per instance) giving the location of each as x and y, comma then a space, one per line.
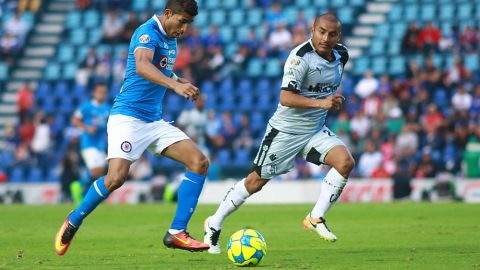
145, 38
294, 72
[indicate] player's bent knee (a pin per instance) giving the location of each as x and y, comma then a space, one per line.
199, 164
346, 166
114, 180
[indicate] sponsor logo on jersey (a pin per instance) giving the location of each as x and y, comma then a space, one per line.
272, 169
144, 38
295, 61
166, 63
322, 88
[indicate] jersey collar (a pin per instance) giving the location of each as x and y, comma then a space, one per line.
160, 26
334, 52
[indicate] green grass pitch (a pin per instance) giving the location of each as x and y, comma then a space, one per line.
371, 236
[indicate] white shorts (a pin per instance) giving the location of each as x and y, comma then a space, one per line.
278, 150
129, 137
94, 158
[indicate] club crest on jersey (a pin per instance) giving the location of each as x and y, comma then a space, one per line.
163, 62
144, 38
126, 147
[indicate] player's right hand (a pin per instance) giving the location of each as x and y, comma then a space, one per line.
333, 102
187, 90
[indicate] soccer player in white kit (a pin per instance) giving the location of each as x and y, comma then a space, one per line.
312, 74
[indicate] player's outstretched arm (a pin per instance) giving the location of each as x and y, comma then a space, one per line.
293, 100
145, 69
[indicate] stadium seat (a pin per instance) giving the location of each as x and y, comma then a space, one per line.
471, 62
157, 4
398, 30
446, 12
74, 19
395, 13
246, 102
397, 65
273, 68
290, 14
78, 36
377, 47
226, 32
357, 3
464, 11
302, 3
224, 157
394, 47
65, 53
254, 16
69, 71
242, 157
360, 65
17, 175
218, 17
428, 12
227, 103
339, 4
230, 4
95, 35
321, 3
345, 14
212, 4
411, 12
230, 49
3, 71
263, 86
236, 18
91, 19
35, 175
379, 65
52, 71
255, 67
140, 5
245, 86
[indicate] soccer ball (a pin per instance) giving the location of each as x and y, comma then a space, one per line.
246, 247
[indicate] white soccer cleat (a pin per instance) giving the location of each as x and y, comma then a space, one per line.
319, 226
211, 238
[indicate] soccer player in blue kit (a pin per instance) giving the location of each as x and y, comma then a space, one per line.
135, 124
92, 118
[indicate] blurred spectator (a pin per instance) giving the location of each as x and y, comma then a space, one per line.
41, 143
70, 172
251, 42
360, 124
31, 5
119, 67
26, 130
449, 41
213, 131
216, 63
407, 142
103, 69
279, 40
461, 100
457, 73
410, 39
239, 61
468, 39
9, 47
432, 120
228, 130
384, 85
213, 39
130, 26
299, 35
87, 67
367, 85
112, 28
24, 101
193, 39
380, 172
275, 16
369, 160
429, 38
17, 27
372, 105
194, 121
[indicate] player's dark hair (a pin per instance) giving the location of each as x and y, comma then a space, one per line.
188, 6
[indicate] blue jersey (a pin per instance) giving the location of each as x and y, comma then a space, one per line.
94, 114
140, 98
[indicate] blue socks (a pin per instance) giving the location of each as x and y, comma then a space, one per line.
188, 194
95, 195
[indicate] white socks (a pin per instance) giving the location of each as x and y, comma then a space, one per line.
235, 197
332, 187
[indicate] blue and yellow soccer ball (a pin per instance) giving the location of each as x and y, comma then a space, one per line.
246, 247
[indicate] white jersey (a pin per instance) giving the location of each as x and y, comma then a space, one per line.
310, 75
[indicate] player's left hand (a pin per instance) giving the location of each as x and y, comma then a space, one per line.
185, 81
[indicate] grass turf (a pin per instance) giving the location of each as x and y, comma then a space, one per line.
371, 236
